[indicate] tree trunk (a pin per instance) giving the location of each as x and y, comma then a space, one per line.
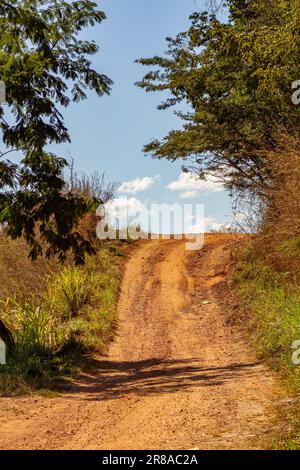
6, 336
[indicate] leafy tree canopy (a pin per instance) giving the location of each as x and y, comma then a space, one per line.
236, 77
45, 65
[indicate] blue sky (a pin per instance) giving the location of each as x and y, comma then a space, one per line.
108, 133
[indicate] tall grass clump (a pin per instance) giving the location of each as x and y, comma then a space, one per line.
32, 362
84, 301
68, 293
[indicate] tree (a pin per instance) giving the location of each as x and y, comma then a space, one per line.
45, 65
236, 78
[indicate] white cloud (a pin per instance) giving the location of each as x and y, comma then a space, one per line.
208, 224
188, 195
190, 184
137, 185
202, 226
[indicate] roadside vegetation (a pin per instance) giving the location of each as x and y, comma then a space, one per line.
270, 306
68, 314
274, 301
55, 315
267, 276
267, 273
61, 307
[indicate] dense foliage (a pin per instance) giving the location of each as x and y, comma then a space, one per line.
45, 65
236, 77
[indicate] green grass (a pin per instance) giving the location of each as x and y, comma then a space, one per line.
272, 302
275, 303
19, 276
56, 332
291, 442
291, 248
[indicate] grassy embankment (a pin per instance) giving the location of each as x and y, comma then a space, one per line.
58, 315
269, 289
267, 275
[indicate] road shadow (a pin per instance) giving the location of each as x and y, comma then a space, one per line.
113, 380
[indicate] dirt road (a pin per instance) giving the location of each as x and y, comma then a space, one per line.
179, 376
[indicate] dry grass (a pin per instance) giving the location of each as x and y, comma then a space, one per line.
19, 276
278, 241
